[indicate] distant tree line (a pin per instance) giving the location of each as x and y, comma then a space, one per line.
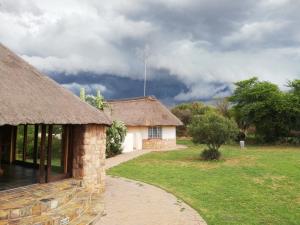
260, 109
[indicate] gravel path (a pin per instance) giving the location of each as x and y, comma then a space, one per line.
129, 202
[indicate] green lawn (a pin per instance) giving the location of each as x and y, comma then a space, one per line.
260, 185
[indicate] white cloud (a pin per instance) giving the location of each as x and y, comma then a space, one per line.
200, 42
194, 64
275, 3
254, 32
74, 87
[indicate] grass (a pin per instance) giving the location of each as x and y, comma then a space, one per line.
259, 185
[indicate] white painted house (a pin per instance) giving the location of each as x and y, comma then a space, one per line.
150, 125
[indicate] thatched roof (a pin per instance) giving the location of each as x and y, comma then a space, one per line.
143, 111
29, 97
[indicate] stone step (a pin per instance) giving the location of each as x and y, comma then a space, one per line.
85, 208
93, 213
36, 200
65, 214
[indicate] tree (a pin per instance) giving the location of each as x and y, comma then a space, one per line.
292, 106
213, 130
261, 104
115, 136
295, 87
185, 113
96, 101
82, 94
223, 107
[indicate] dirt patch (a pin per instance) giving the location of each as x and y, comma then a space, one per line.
198, 163
271, 181
240, 161
298, 200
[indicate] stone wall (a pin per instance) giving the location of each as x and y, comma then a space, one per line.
89, 154
157, 144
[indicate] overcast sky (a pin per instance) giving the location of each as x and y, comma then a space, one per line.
203, 46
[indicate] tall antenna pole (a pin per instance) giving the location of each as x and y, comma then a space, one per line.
144, 54
145, 72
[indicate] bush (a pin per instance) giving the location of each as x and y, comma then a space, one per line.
210, 154
290, 141
115, 135
213, 130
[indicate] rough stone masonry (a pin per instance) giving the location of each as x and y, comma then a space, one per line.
89, 155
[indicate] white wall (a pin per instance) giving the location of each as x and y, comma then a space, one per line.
135, 135
134, 138
128, 143
169, 133
142, 130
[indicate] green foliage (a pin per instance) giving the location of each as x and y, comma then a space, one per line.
96, 101
223, 107
115, 135
295, 86
213, 130
263, 105
82, 94
210, 154
292, 105
56, 142
185, 113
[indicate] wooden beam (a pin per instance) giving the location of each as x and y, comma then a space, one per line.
42, 155
35, 143
63, 143
11, 145
70, 150
25, 139
66, 148
49, 153
1, 170
15, 132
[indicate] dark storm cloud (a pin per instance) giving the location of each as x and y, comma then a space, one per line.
163, 87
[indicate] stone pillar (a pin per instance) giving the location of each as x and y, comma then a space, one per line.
89, 144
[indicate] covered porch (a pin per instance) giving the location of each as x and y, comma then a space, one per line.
34, 154
47, 134
51, 174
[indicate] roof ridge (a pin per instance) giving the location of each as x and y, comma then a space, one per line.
142, 111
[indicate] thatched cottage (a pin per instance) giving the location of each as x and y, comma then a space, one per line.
46, 134
150, 125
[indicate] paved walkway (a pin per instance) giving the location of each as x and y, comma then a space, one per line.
129, 202
114, 161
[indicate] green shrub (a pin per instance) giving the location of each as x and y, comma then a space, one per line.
210, 154
115, 135
213, 130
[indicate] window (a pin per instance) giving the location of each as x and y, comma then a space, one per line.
154, 132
